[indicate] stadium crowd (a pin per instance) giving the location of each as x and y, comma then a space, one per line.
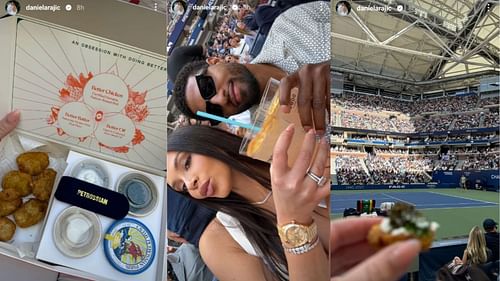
371, 103
446, 163
390, 151
441, 104
410, 167
365, 112
398, 169
382, 170
467, 121
446, 104
467, 137
433, 123
349, 171
482, 161
427, 151
228, 40
495, 100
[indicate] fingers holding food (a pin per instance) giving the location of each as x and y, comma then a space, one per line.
43, 183
30, 213
19, 181
9, 207
7, 229
33, 163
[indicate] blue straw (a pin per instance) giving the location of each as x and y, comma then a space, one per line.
228, 121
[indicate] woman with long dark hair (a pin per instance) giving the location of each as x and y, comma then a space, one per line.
270, 225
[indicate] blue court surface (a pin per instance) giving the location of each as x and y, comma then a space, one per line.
422, 200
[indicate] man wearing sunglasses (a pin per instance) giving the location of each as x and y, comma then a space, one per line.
299, 56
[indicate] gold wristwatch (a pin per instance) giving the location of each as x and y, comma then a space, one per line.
294, 235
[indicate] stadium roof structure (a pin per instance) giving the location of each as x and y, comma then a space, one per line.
418, 46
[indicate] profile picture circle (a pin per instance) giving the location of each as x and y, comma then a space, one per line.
12, 7
343, 8
178, 7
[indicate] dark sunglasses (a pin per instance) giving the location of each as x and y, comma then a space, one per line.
206, 86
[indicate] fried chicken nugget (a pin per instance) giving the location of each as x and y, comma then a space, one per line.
33, 163
9, 207
10, 194
19, 181
43, 183
30, 213
7, 229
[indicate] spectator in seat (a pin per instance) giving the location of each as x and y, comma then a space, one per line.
476, 251
492, 236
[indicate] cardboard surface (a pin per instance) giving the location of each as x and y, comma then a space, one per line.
91, 94
16, 270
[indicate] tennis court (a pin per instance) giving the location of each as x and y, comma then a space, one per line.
457, 211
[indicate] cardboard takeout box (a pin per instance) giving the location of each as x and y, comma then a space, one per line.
80, 92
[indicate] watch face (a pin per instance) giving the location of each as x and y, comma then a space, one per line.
296, 235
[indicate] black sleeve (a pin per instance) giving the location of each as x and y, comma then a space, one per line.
251, 22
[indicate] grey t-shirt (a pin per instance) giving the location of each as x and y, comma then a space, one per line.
300, 35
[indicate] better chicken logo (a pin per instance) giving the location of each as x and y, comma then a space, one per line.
101, 107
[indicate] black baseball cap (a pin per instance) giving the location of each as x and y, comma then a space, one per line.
180, 57
489, 224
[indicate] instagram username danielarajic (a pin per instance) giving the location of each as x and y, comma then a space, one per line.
52, 8
215, 7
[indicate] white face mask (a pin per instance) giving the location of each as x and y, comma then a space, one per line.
11, 9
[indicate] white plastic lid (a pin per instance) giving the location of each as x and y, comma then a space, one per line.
77, 232
91, 171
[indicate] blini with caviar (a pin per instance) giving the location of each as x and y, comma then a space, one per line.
404, 222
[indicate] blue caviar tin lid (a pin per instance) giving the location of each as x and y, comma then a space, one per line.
129, 246
140, 192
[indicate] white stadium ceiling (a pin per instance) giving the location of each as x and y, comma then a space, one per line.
405, 45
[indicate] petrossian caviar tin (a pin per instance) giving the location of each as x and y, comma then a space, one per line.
129, 246
140, 192
91, 171
77, 232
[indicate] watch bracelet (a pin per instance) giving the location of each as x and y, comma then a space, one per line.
302, 249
